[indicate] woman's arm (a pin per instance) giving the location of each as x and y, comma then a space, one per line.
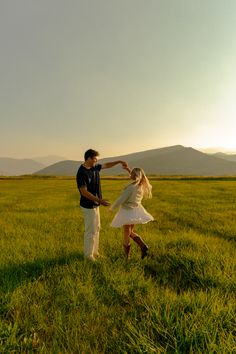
127, 168
123, 198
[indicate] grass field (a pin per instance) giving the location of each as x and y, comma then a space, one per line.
180, 299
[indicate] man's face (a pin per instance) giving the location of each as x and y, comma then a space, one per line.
92, 161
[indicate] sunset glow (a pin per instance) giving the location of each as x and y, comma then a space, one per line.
121, 76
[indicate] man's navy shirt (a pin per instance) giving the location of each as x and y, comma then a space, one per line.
90, 179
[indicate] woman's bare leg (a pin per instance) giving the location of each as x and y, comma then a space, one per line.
126, 243
127, 232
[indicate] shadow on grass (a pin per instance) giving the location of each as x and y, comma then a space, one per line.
107, 292
12, 276
182, 273
223, 234
176, 222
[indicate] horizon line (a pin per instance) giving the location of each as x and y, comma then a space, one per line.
208, 150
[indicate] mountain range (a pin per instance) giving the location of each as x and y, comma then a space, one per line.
172, 160
48, 160
15, 167
228, 157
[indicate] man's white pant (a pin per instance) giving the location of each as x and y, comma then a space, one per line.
91, 232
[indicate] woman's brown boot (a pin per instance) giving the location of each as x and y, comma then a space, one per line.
144, 248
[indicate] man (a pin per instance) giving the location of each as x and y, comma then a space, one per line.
88, 182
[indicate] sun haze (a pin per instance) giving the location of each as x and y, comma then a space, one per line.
119, 76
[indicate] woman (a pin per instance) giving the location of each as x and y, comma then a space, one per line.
131, 211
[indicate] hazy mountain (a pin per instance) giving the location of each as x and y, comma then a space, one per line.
228, 157
173, 160
63, 168
48, 160
16, 167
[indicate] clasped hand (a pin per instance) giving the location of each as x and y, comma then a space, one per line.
105, 202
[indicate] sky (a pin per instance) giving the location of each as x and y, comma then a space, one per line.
118, 76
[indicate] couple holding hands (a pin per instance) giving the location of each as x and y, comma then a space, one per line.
130, 213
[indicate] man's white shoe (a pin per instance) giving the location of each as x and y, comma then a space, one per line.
99, 255
91, 258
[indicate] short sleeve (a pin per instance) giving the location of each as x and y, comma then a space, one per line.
98, 167
81, 180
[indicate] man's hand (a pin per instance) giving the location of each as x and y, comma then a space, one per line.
104, 202
92, 197
114, 163
124, 164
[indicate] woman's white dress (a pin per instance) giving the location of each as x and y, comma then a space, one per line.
130, 210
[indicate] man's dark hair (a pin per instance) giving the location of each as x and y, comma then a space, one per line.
90, 153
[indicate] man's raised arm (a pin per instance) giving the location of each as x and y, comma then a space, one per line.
114, 163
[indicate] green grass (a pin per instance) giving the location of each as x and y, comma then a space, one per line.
180, 299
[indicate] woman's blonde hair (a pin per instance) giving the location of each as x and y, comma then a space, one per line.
142, 180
